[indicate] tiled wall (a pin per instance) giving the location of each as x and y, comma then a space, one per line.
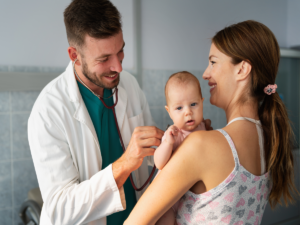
17, 174
154, 85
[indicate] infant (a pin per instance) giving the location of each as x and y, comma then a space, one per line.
185, 107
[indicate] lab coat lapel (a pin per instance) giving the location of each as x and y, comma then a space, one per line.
121, 106
81, 114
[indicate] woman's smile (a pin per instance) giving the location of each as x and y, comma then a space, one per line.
212, 86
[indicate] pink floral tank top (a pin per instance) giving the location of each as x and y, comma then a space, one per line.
240, 199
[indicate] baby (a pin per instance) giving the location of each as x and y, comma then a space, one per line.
185, 107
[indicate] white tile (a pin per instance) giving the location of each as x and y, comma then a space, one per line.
22, 101
4, 101
5, 148
5, 185
20, 138
24, 179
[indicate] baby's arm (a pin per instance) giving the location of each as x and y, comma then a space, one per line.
163, 153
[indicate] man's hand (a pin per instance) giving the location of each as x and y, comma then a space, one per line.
142, 139
207, 124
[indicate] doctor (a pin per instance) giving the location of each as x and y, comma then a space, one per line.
79, 162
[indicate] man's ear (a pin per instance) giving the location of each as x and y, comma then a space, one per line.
244, 70
73, 54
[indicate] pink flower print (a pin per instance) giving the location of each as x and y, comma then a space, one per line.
188, 217
199, 217
207, 194
229, 197
226, 219
258, 196
256, 178
252, 190
229, 178
263, 187
244, 178
193, 199
239, 223
213, 204
240, 203
251, 213
256, 221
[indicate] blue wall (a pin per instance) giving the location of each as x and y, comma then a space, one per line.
17, 174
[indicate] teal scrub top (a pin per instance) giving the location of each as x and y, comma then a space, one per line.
111, 149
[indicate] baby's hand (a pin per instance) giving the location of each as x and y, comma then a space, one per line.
170, 133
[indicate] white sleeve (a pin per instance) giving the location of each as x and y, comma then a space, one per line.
66, 200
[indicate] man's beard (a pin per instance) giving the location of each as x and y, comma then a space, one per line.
92, 77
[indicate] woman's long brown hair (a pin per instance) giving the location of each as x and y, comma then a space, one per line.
255, 43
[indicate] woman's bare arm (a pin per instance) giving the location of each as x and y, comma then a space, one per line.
176, 178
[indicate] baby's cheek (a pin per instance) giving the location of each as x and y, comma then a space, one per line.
200, 114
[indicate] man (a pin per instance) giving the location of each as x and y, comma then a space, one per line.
80, 165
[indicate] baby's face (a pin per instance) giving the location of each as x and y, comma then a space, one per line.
185, 105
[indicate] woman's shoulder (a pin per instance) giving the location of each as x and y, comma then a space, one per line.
210, 145
212, 157
207, 139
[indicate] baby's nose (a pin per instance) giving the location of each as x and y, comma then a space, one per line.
188, 112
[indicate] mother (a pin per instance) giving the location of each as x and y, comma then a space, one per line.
228, 175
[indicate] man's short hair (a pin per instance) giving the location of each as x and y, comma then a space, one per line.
96, 18
182, 77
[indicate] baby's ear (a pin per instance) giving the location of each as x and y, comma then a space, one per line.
202, 99
167, 108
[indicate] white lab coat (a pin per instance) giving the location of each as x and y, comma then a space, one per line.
67, 156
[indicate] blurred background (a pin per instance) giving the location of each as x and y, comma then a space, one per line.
162, 37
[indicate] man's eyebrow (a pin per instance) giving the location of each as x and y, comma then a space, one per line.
212, 56
106, 55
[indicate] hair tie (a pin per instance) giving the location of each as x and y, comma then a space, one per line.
270, 89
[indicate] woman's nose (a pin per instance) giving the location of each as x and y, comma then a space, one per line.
206, 74
116, 65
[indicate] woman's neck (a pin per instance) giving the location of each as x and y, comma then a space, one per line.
246, 109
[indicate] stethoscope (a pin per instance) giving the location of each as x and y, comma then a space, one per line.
118, 129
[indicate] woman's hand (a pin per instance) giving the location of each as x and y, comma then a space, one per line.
207, 124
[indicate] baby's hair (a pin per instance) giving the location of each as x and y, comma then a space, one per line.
182, 77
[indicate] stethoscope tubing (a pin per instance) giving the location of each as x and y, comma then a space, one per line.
122, 143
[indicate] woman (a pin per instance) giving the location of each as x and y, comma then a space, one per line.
227, 176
